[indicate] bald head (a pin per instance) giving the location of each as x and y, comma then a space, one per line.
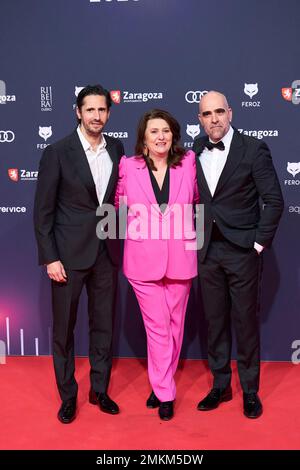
215, 115
211, 95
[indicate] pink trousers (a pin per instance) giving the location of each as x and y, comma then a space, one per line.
163, 305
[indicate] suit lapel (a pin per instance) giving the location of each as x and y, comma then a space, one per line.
82, 168
202, 183
143, 179
235, 155
112, 151
176, 175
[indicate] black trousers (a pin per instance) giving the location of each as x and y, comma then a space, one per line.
100, 281
229, 280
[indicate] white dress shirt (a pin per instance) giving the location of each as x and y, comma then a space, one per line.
100, 164
213, 162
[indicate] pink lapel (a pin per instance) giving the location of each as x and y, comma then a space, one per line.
176, 175
143, 179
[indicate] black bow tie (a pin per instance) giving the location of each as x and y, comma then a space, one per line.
219, 145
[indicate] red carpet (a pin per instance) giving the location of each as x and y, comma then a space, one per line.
29, 404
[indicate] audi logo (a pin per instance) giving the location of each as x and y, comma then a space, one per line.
194, 96
7, 136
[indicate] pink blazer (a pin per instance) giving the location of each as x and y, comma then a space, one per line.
158, 244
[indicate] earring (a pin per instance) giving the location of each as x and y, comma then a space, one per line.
146, 151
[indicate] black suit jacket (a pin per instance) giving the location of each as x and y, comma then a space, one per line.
66, 201
248, 175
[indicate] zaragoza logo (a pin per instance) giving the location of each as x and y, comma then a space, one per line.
293, 93
13, 174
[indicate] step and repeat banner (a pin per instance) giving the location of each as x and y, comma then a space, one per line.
148, 53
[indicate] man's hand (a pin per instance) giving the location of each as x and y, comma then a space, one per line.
56, 271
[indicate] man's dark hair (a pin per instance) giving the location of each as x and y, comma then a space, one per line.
93, 90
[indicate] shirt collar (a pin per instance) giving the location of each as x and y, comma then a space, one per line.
85, 143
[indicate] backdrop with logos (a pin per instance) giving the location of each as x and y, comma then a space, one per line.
149, 53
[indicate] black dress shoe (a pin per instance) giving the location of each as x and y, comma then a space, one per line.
153, 401
252, 405
166, 410
67, 411
214, 398
105, 403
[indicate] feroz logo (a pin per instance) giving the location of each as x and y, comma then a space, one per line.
194, 96
293, 168
251, 89
13, 174
293, 93
7, 136
46, 98
193, 130
78, 90
116, 96
45, 132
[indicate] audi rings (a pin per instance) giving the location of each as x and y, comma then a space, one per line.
7, 136
194, 96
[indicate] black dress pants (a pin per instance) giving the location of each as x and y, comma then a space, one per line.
100, 281
229, 279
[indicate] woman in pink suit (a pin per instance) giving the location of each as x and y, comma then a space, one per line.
158, 185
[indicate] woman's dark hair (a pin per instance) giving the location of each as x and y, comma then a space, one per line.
176, 151
93, 90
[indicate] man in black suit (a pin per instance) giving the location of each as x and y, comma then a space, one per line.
234, 173
76, 175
